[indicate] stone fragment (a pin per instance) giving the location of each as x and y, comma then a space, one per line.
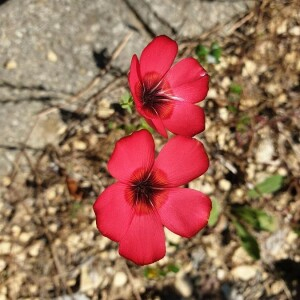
295, 31
5, 247
244, 272
35, 249
265, 151
224, 114
183, 285
104, 110
79, 145
224, 185
221, 274
120, 279
89, 279
6, 181
240, 256
51, 56
11, 65
172, 237
277, 287
3, 265
249, 68
25, 237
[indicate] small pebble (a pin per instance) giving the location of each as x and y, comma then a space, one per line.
224, 185
183, 286
244, 272
120, 279
10, 65
79, 145
51, 56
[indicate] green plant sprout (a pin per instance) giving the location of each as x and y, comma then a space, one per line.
126, 102
209, 55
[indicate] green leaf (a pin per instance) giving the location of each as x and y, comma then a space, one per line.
151, 273
126, 102
268, 186
215, 212
172, 268
235, 89
243, 123
145, 125
257, 218
248, 241
201, 52
296, 229
216, 52
125, 97
156, 272
232, 109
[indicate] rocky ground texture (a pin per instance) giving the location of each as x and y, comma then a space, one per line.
63, 71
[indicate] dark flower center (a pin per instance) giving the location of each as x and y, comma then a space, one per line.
146, 191
153, 96
156, 96
143, 192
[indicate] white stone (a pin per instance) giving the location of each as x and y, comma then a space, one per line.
277, 287
205, 187
51, 193
89, 279
104, 111
6, 181
11, 65
244, 272
5, 248
225, 83
51, 56
224, 185
172, 237
34, 250
120, 279
3, 265
79, 145
52, 210
212, 93
249, 68
295, 31
25, 237
240, 256
224, 114
282, 28
265, 151
53, 227
183, 286
221, 274
292, 237
16, 230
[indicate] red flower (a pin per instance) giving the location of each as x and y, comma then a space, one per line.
147, 195
165, 96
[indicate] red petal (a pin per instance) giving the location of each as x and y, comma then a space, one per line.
187, 119
159, 126
185, 211
156, 124
144, 242
188, 80
113, 212
134, 79
133, 152
182, 159
158, 56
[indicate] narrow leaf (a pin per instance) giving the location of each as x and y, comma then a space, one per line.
248, 241
257, 218
268, 186
215, 212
